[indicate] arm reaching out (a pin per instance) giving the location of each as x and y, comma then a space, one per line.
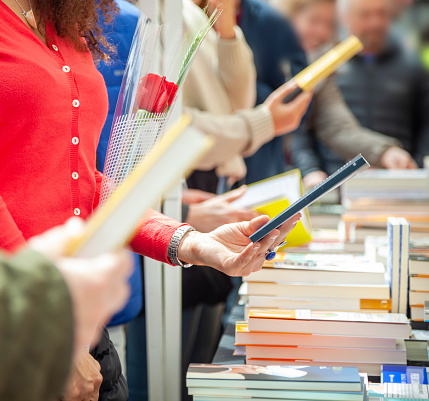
244, 132
229, 249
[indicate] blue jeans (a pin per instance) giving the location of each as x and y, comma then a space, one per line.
137, 359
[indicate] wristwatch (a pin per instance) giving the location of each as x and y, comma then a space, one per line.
173, 246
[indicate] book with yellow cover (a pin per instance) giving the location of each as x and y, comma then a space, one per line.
315, 73
275, 194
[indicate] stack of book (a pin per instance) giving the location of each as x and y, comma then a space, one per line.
240, 382
355, 227
374, 195
408, 271
363, 340
419, 286
325, 216
387, 191
339, 282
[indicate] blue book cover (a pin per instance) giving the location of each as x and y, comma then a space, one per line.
404, 374
394, 374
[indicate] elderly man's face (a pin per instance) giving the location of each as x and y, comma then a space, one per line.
370, 21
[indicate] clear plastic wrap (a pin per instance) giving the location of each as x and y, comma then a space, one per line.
157, 66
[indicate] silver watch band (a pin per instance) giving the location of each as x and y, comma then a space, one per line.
173, 246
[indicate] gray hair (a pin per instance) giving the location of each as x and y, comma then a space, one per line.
342, 6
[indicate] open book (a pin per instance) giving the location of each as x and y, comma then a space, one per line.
275, 194
335, 180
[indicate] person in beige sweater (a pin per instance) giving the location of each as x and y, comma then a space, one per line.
330, 119
221, 89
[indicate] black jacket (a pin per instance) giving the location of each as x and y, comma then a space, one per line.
388, 93
114, 386
276, 61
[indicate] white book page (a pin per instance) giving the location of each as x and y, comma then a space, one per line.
287, 186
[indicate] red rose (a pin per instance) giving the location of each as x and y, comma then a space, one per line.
155, 94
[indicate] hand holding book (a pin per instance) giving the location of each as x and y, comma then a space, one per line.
287, 116
229, 249
289, 103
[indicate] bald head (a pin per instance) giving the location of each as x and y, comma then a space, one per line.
369, 20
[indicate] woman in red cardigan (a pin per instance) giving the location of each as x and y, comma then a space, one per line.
53, 104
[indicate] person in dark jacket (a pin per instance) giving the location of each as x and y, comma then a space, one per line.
385, 87
278, 57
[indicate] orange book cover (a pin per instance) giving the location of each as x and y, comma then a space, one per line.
380, 304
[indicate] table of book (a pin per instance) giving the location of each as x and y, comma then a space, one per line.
381, 226
225, 351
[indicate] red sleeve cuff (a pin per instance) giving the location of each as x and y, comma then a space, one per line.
154, 235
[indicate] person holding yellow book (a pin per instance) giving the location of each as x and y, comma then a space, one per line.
331, 123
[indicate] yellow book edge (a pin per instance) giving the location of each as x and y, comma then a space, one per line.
323, 67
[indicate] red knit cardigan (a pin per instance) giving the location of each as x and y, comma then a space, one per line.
53, 104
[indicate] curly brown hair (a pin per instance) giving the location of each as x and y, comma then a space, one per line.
77, 19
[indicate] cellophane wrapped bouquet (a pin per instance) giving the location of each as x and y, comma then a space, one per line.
157, 66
